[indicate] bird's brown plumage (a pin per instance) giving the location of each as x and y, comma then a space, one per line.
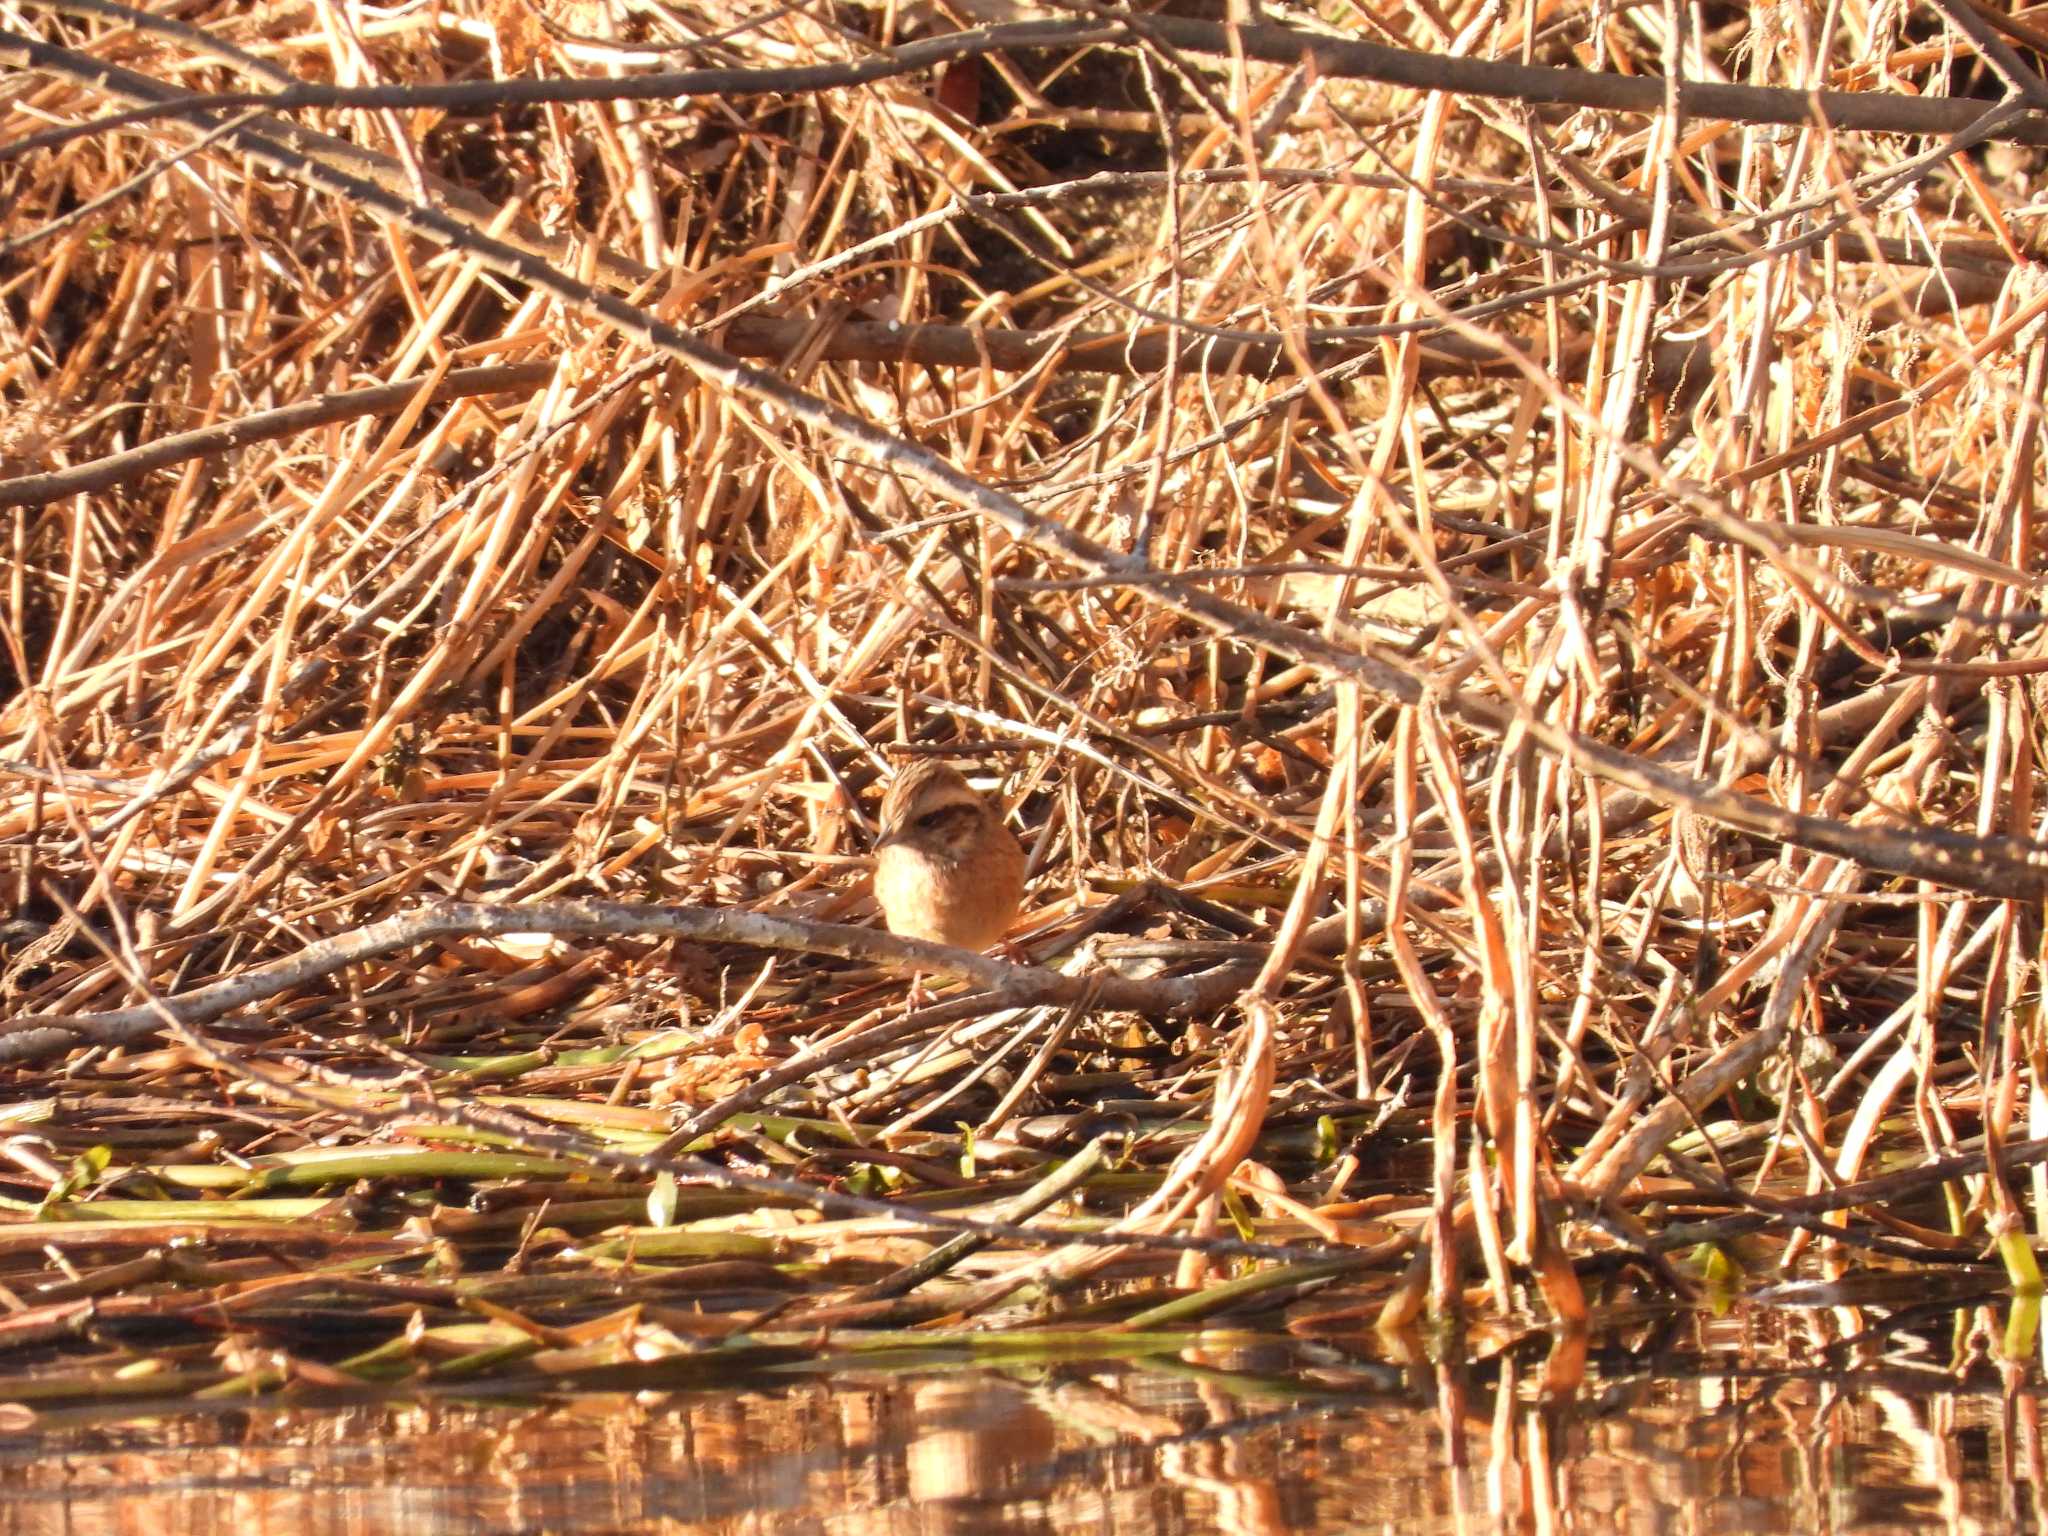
946, 868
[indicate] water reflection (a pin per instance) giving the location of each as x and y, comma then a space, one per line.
1817, 1420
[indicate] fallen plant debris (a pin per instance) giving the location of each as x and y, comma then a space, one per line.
1490, 571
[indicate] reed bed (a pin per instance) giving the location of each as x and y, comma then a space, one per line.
1497, 591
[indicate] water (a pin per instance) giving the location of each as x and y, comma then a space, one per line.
1801, 1417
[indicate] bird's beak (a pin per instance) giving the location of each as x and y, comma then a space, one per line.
888, 840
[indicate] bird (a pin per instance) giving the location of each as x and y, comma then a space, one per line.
946, 868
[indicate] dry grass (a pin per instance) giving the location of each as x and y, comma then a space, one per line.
1566, 798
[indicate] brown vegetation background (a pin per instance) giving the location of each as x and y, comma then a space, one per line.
1496, 587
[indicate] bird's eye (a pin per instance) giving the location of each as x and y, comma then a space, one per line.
930, 819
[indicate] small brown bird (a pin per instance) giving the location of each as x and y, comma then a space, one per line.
946, 868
